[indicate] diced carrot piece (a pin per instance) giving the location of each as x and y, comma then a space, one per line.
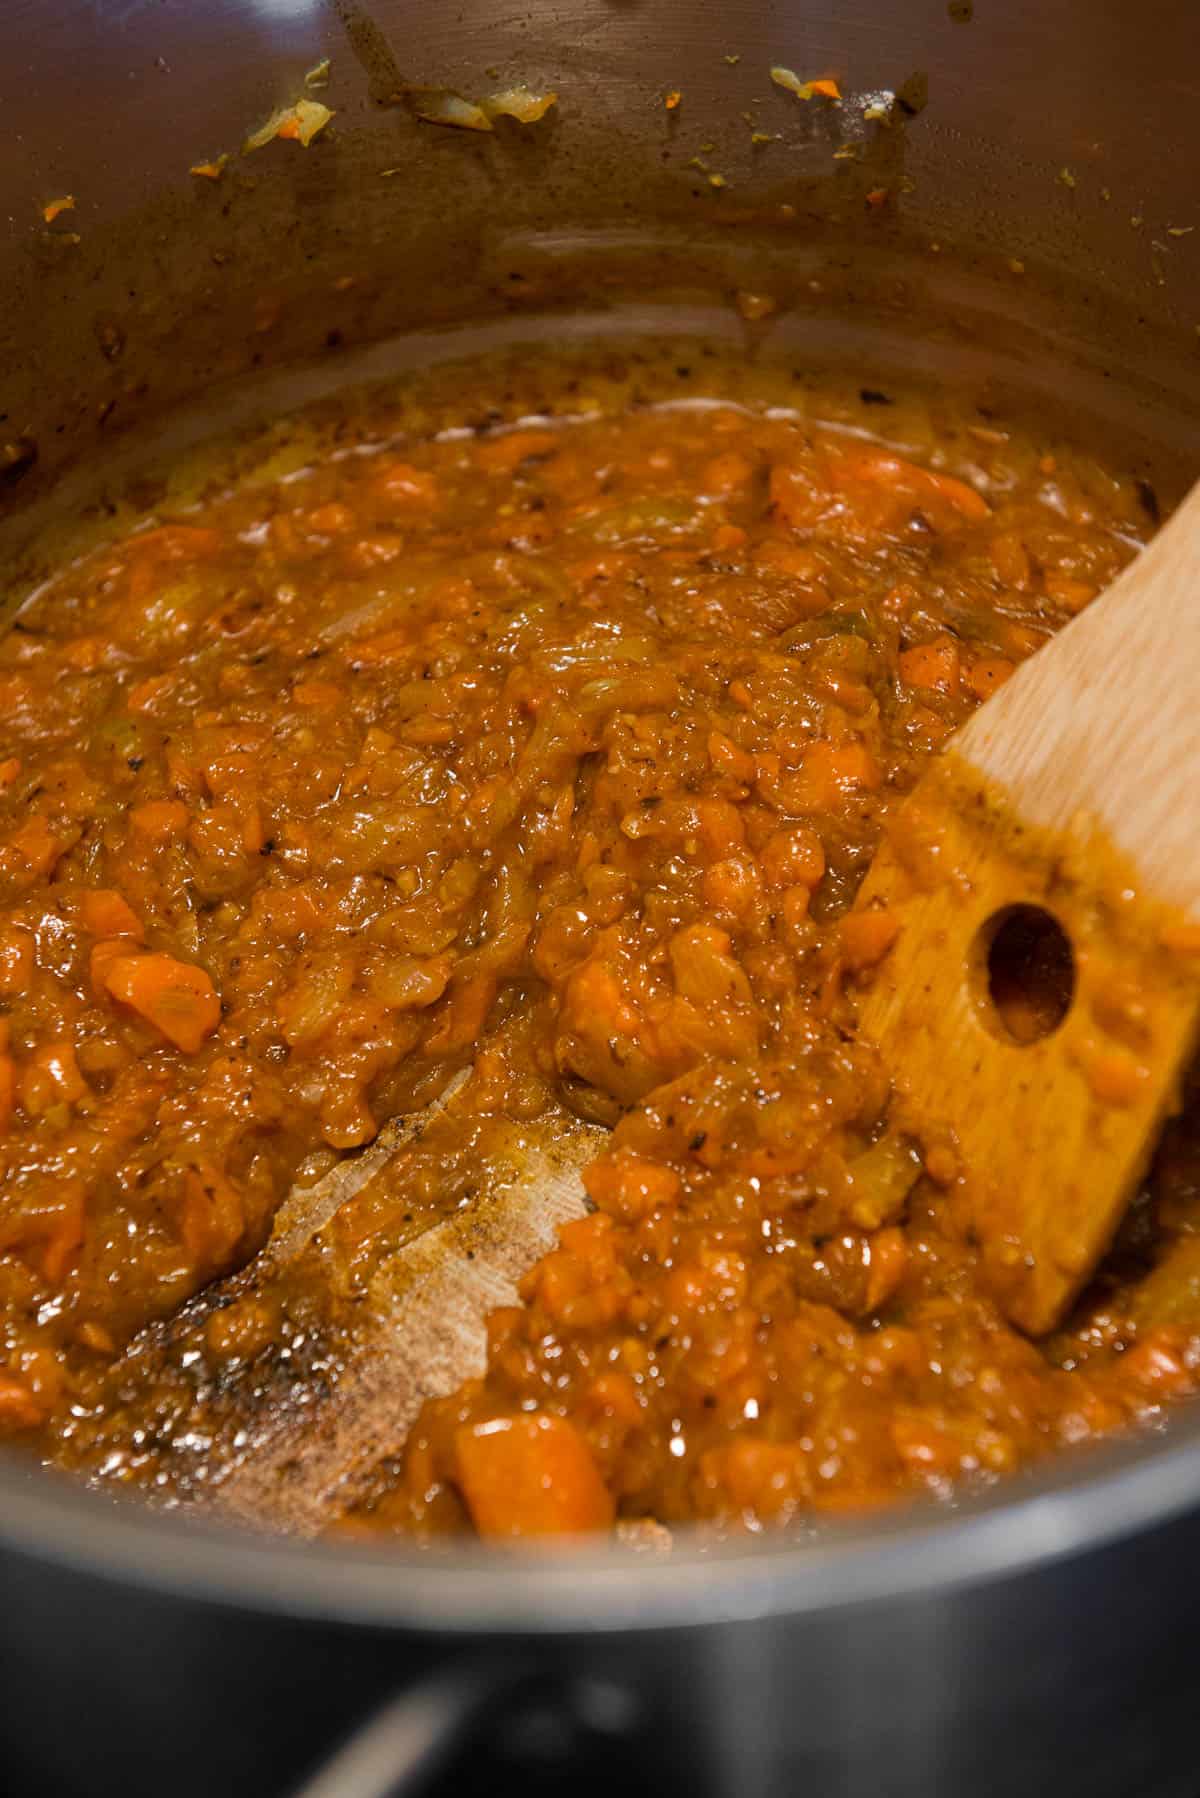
705, 968
596, 991
1158, 1362
159, 821
1067, 591
289, 911
866, 937
688, 1286
726, 474
49, 1077
927, 727
615, 1396
889, 1259
391, 646
213, 1217
727, 758
983, 677
16, 960
464, 1015
1010, 559
795, 902
794, 560
19, 1409
760, 1477
8, 1084
931, 665
927, 1449
901, 486
226, 830
629, 1187
847, 765
37, 845
530, 1475
797, 497
793, 857
590, 1240
554, 1283
177, 998
827, 774
9, 770
105, 913
1022, 639
503, 1325
732, 885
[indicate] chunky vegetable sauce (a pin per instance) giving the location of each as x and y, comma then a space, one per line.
578, 733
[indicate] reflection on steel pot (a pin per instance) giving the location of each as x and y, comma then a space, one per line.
1029, 1637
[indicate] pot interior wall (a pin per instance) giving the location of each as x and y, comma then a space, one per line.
1025, 217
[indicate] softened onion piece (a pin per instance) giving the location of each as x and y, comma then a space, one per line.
804, 90
301, 121
441, 107
519, 103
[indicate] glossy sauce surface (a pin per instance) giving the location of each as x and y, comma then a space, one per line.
579, 732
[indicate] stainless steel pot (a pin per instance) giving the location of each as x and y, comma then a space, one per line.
1035, 243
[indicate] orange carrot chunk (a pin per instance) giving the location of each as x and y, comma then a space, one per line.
934, 666
178, 999
159, 821
105, 913
986, 675
530, 1475
19, 1408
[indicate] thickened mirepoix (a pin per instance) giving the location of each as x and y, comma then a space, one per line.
580, 733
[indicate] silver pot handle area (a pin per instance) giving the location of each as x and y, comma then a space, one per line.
402, 1747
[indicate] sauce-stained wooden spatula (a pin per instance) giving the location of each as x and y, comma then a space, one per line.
287, 1432
1043, 991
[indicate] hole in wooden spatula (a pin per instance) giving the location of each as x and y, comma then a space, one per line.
1025, 973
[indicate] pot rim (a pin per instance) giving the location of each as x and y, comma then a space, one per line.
1080, 1503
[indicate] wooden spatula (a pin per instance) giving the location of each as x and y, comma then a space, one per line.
288, 1435
1042, 994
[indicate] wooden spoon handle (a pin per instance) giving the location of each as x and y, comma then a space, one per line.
1106, 718
1062, 821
